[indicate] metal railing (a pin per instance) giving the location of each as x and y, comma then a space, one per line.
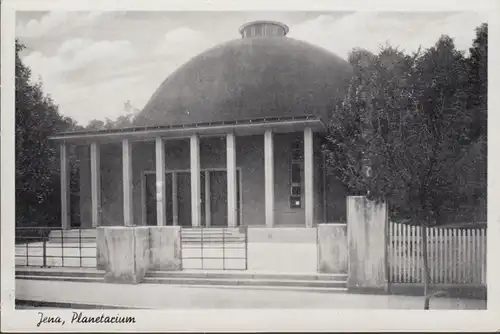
55, 247
223, 248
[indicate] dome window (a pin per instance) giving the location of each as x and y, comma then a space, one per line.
264, 29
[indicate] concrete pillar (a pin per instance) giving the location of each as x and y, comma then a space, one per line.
95, 183
175, 203
332, 248
195, 181
208, 208
165, 248
124, 253
269, 177
128, 216
160, 182
65, 189
231, 180
84, 183
308, 177
367, 235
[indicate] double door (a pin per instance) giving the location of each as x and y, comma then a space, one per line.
213, 198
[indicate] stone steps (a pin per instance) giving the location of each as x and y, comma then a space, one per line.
325, 282
73, 236
212, 235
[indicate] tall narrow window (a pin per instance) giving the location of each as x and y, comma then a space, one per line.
295, 174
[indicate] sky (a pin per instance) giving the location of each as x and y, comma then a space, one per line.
92, 63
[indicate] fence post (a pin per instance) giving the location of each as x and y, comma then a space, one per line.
80, 245
246, 247
44, 254
62, 248
27, 252
201, 244
223, 249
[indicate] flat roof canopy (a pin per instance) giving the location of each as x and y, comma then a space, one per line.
207, 129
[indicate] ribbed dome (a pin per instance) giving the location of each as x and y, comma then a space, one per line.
250, 78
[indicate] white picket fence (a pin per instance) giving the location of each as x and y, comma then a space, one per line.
456, 256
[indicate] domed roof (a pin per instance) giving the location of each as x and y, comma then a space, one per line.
250, 78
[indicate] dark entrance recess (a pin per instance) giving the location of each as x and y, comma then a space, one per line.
218, 198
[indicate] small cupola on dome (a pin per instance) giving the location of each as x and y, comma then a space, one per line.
263, 29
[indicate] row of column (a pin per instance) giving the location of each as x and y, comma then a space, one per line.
195, 181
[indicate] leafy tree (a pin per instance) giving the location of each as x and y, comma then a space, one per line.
37, 158
122, 121
404, 130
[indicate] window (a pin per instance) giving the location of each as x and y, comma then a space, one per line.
295, 174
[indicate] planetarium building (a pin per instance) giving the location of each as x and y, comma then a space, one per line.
230, 139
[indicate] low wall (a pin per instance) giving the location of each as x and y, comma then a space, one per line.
282, 249
165, 243
332, 248
101, 254
127, 253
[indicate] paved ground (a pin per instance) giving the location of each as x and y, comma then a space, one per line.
189, 297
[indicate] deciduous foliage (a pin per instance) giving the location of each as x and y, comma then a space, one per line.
123, 121
412, 131
37, 158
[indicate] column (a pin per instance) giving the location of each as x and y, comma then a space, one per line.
269, 177
195, 181
231, 180
160, 182
367, 237
308, 177
65, 180
208, 208
175, 205
127, 183
95, 183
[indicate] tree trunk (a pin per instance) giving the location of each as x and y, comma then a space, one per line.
427, 294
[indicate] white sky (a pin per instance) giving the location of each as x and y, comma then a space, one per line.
91, 63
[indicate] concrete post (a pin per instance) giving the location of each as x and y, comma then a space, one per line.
95, 183
85, 184
231, 180
367, 229
160, 182
269, 177
65, 181
128, 216
308, 177
195, 181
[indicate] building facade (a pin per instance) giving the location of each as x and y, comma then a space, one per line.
232, 138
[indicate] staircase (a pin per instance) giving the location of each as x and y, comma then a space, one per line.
249, 280
213, 235
214, 248
295, 281
73, 236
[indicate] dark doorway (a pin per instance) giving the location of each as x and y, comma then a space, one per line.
150, 199
218, 198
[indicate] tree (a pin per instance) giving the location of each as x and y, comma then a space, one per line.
36, 158
122, 121
402, 130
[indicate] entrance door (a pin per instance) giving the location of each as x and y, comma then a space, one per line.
218, 198
184, 198
150, 199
